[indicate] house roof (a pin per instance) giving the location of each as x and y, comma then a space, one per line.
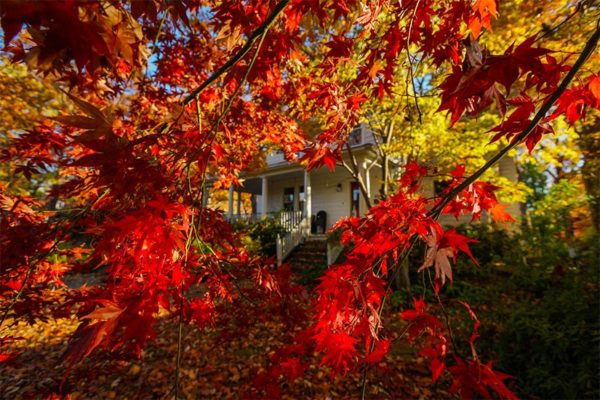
360, 139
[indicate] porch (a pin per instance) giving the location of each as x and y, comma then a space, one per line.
289, 195
284, 197
286, 194
287, 219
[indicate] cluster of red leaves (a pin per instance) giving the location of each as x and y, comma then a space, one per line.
107, 37
478, 197
133, 162
26, 239
465, 370
347, 324
435, 29
475, 86
575, 101
470, 376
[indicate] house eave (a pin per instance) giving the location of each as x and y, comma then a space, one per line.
286, 166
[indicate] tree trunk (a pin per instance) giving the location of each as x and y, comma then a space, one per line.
523, 204
354, 170
589, 143
385, 168
383, 191
402, 276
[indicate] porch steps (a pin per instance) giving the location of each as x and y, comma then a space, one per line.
309, 259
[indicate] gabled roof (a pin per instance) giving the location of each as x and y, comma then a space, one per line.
360, 138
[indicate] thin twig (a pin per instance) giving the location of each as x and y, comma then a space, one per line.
381, 307
549, 31
41, 257
587, 51
188, 245
410, 64
241, 52
446, 316
179, 345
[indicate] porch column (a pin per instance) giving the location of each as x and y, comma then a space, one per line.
239, 202
307, 195
252, 206
367, 180
264, 199
230, 203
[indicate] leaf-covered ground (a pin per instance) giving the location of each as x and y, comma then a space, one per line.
213, 366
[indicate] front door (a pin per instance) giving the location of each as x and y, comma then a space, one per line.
288, 199
354, 199
301, 199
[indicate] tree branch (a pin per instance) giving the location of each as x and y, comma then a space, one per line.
587, 51
356, 174
241, 52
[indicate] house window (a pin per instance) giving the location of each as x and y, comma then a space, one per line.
301, 199
288, 199
355, 136
354, 199
439, 187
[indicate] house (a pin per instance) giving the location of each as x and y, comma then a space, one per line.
309, 203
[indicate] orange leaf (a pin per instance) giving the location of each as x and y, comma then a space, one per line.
594, 86
499, 213
108, 312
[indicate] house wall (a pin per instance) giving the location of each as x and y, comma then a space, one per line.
276, 186
324, 192
336, 201
326, 197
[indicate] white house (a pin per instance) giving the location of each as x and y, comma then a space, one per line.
300, 198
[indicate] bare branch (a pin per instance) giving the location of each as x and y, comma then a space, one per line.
356, 175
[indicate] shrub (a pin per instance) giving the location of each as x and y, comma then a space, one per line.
552, 347
261, 235
538, 300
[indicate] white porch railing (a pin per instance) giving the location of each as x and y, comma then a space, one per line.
295, 224
298, 230
287, 219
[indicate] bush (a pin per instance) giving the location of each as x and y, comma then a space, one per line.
537, 297
261, 235
552, 347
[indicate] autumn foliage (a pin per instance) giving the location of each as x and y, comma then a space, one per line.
168, 94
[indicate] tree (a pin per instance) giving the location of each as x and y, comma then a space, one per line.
567, 29
168, 93
25, 99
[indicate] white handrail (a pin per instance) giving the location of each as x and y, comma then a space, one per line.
287, 219
287, 243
